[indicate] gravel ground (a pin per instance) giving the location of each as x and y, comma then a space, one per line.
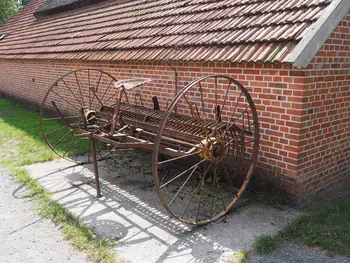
293, 253
24, 236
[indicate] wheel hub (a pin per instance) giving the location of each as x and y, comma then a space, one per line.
212, 149
89, 115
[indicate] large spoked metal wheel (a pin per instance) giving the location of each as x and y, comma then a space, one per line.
77, 97
206, 180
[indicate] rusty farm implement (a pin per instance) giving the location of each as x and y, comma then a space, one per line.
204, 140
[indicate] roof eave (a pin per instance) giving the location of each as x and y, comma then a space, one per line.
318, 33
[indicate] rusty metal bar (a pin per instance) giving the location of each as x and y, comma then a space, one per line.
97, 177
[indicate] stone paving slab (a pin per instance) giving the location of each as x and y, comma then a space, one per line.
24, 235
130, 211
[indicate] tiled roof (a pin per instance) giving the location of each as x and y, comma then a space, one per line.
57, 6
177, 30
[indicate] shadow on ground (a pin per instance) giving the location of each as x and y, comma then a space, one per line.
131, 212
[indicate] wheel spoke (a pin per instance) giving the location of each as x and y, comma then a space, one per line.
195, 191
78, 83
216, 105
212, 193
50, 132
200, 197
65, 100
106, 90
227, 175
89, 151
60, 118
60, 140
177, 193
65, 153
234, 111
241, 132
180, 157
98, 83
204, 114
233, 122
76, 154
93, 92
184, 172
111, 97
89, 83
195, 113
223, 106
100, 154
72, 93
219, 189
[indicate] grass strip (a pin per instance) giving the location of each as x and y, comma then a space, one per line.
326, 226
239, 257
22, 144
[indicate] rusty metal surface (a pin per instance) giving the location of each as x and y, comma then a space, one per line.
184, 30
205, 144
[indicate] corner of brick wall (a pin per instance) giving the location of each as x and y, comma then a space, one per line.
325, 135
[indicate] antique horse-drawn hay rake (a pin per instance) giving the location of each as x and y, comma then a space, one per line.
205, 140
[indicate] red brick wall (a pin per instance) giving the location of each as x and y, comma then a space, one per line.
275, 99
325, 135
302, 151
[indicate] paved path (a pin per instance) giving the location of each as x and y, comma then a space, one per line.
24, 236
130, 211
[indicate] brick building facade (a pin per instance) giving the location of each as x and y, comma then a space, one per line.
304, 112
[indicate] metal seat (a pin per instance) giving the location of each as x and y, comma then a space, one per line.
129, 84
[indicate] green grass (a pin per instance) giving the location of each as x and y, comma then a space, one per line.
265, 244
326, 226
239, 257
20, 137
22, 144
